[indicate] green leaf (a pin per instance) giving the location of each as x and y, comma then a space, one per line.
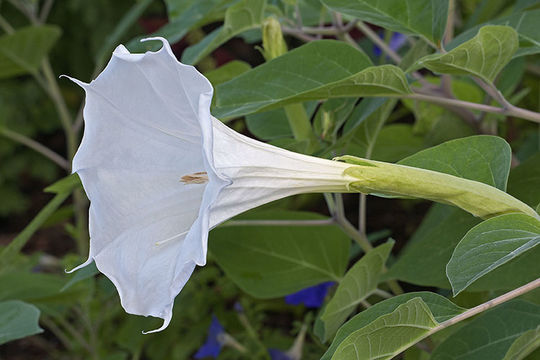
441, 308
38, 289
22, 52
490, 335
273, 261
389, 334
524, 345
483, 56
426, 18
269, 125
318, 70
227, 72
65, 185
396, 141
18, 320
358, 284
526, 25
240, 17
273, 124
489, 245
524, 181
481, 158
431, 247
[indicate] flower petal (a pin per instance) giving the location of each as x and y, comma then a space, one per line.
145, 117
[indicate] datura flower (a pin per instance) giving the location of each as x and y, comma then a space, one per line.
160, 172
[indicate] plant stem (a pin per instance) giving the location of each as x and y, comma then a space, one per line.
56, 96
487, 305
6, 26
449, 30
34, 145
371, 35
512, 111
300, 125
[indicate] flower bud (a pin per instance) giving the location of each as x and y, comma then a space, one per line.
273, 43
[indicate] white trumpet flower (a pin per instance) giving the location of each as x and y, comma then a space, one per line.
160, 172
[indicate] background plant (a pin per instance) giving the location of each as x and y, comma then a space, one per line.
438, 86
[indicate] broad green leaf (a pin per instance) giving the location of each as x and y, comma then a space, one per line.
489, 245
242, 16
441, 308
318, 70
524, 345
18, 320
431, 247
38, 289
358, 284
483, 56
273, 124
490, 335
481, 158
524, 181
227, 72
389, 334
273, 261
526, 25
23, 51
426, 18
396, 141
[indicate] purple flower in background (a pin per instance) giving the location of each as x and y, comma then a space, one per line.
213, 345
396, 42
311, 297
276, 354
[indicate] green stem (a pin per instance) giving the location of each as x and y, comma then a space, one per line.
479, 199
34, 145
56, 96
487, 305
512, 111
300, 125
8, 254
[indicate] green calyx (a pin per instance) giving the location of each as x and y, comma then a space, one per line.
393, 180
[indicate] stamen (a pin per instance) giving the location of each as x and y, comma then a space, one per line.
171, 238
196, 178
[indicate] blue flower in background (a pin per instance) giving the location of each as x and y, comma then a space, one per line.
276, 354
212, 346
396, 42
311, 297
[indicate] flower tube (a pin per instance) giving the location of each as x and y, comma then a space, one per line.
160, 172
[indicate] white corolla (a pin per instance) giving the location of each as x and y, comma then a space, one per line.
160, 172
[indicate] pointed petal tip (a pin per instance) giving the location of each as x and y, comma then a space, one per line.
76, 81
164, 42
166, 320
84, 264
